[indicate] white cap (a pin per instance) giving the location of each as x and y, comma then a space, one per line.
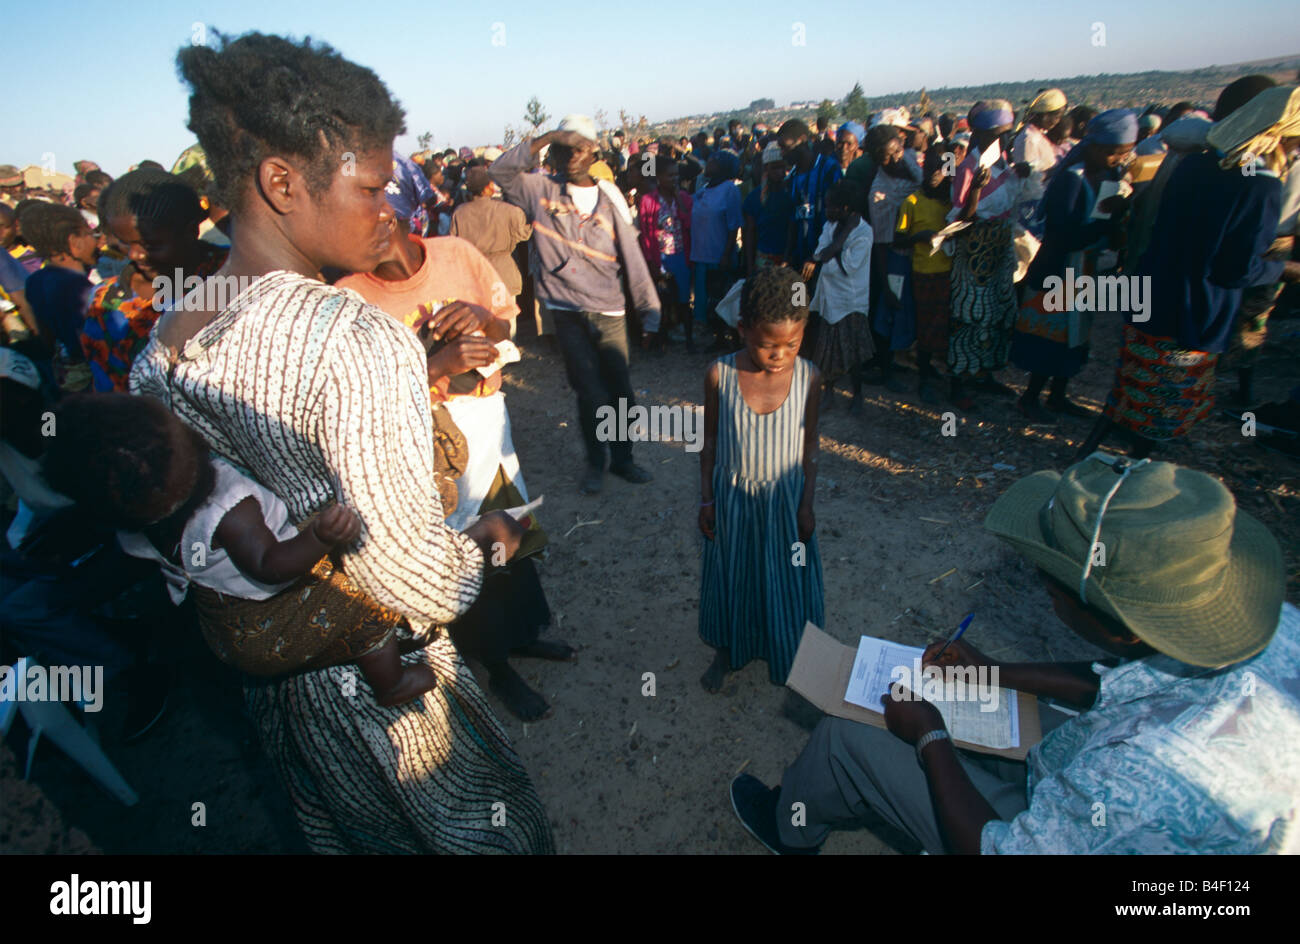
581, 124
772, 154
16, 367
492, 153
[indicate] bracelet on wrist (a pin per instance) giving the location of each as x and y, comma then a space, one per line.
925, 740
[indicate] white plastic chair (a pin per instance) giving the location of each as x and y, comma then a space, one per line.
52, 720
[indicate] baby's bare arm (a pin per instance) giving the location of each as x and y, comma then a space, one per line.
257, 552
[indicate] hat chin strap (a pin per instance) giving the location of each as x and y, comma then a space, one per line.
1124, 468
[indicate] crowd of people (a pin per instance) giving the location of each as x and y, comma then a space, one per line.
316, 463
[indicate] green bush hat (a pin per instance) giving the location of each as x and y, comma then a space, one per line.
1175, 560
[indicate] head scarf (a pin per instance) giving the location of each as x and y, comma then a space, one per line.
1109, 129
1256, 129
855, 129
1112, 127
1045, 101
985, 116
404, 190
1150, 121
897, 117
1187, 133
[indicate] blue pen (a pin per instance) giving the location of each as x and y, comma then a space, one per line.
957, 635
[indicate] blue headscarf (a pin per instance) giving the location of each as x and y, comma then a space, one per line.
408, 191
1111, 128
855, 129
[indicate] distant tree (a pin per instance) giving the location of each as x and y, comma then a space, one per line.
925, 104
535, 114
827, 110
856, 107
508, 136
602, 121
762, 104
625, 123
425, 140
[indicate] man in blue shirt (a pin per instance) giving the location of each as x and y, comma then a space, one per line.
810, 176
1185, 745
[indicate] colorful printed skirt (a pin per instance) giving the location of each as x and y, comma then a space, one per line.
324, 619
1161, 390
843, 347
932, 294
984, 304
1054, 343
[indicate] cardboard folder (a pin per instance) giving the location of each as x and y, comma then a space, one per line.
821, 674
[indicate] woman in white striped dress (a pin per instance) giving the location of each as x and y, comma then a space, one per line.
321, 397
761, 579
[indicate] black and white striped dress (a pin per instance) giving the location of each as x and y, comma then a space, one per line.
321, 397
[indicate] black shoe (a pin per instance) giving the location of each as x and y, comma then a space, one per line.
146, 702
593, 479
1281, 443
990, 385
1068, 408
755, 807
632, 473
1034, 412
1282, 418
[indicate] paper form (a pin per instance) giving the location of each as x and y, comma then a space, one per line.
951, 229
873, 673
519, 512
1108, 189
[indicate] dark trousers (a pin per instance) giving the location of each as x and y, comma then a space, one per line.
510, 612
595, 358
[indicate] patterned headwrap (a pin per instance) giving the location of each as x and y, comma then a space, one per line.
985, 116
407, 192
898, 117
1256, 129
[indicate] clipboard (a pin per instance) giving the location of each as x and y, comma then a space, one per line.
821, 674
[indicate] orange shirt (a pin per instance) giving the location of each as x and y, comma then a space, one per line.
453, 270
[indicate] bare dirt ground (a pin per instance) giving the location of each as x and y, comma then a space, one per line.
899, 509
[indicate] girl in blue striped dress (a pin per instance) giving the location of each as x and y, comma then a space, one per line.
761, 578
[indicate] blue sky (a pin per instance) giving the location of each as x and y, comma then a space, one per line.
89, 81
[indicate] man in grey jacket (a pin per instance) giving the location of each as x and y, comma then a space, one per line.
580, 247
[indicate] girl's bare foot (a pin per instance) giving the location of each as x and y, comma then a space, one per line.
713, 678
414, 681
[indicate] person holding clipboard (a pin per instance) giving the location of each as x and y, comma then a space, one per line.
1180, 741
